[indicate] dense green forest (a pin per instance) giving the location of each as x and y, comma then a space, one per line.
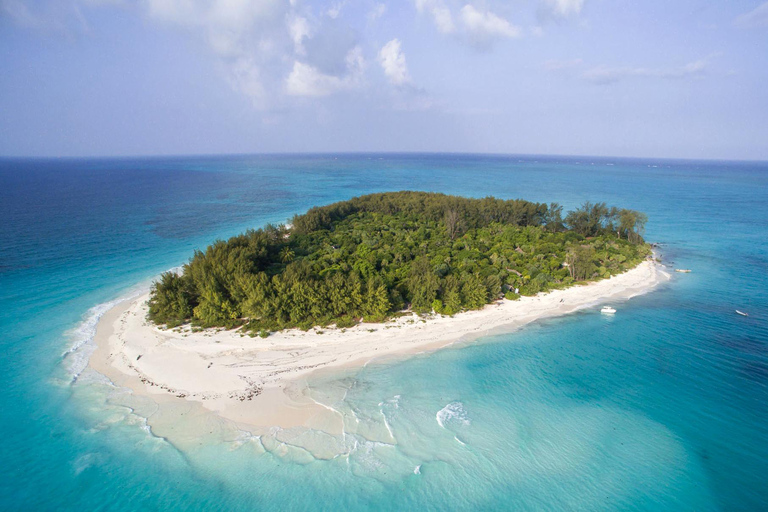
372, 256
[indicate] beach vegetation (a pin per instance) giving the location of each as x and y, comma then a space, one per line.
372, 257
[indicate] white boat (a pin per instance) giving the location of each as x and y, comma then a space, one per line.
683, 270
608, 310
741, 313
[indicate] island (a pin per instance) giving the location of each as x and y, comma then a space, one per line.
239, 326
375, 256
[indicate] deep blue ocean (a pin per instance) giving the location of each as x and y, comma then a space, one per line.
663, 407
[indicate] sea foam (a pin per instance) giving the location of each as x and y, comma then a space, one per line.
78, 354
454, 411
82, 347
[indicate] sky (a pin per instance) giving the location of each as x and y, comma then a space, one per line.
644, 78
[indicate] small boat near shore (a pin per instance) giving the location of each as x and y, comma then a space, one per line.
741, 313
607, 310
683, 270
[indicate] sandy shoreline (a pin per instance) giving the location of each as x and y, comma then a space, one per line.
258, 382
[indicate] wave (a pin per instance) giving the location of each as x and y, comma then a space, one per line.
245, 437
454, 411
77, 356
388, 426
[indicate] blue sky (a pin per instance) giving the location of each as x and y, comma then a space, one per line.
683, 78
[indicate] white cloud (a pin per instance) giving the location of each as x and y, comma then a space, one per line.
485, 26
756, 18
307, 80
249, 38
299, 30
393, 63
232, 15
563, 8
355, 61
405, 95
479, 27
443, 19
272, 50
441, 14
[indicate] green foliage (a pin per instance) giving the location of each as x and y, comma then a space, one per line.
345, 322
594, 219
171, 300
474, 294
370, 257
581, 261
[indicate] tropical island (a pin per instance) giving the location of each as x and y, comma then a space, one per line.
243, 326
372, 257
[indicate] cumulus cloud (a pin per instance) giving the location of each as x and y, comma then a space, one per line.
393, 63
307, 80
479, 27
299, 30
272, 50
756, 18
477, 24
236, 16
249, 38
483, 27
405, 95
441, 14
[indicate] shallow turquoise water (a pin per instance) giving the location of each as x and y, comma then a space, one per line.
664, 407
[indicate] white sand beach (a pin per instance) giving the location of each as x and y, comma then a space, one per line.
257, 382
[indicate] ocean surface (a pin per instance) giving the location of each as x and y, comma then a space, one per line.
662, 407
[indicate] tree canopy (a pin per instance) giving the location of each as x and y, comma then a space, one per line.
372, 256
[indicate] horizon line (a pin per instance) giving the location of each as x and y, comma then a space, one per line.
363, 153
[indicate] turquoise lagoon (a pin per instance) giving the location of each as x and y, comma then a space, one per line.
663, 407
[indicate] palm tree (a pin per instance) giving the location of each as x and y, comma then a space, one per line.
286, 254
